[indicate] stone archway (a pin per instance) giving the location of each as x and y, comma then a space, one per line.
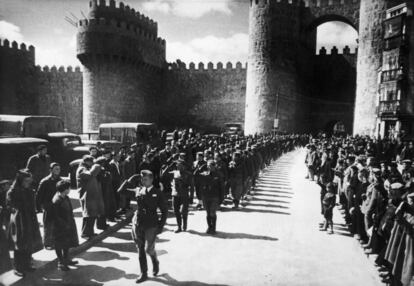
320, 11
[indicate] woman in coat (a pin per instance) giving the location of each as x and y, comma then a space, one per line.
65, 234
90, 194
400, 249
24, 227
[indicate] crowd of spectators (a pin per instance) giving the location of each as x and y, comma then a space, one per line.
373, 180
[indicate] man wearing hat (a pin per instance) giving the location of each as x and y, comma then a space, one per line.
38, 165
198, 165
146, 223
212, 189
90, 195
311, 161
165, 154
128, 169
406, 170
237, 175
180, 186
377, 198
45, 194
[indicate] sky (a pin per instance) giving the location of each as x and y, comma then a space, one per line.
195, 30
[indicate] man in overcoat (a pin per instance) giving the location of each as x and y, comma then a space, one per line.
45, 194
38, 165
90, 195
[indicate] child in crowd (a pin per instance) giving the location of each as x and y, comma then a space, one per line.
328, 203
322, 182
64, 228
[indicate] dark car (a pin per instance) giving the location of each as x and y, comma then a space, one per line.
64, 147
29, 125
14, 153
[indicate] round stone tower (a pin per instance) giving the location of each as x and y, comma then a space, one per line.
372, 14
272, 85
122, 59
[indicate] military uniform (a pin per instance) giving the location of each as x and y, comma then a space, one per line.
146, 224
211, 191
198, 166
180, 186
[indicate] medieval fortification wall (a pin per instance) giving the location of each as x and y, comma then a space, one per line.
125, 76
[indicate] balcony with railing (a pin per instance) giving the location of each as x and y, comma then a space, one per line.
395, 42
389, 107
390, 75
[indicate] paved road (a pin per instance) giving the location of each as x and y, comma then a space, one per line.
274, 240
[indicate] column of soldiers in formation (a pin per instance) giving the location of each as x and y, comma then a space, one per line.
205, 170
374, 182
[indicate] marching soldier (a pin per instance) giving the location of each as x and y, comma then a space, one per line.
181, 184
198, 166
236, 178
211, 191
146, 224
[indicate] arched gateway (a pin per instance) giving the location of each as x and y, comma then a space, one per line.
282, 65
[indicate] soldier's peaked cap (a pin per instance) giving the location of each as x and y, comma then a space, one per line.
376, 171
396, 186
146, 173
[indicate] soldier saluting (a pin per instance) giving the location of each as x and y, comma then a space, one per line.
146, 223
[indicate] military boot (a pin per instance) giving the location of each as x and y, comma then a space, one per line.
185, 223
209, 224
155, 265
213, 225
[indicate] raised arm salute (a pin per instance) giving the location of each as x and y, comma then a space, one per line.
146, 223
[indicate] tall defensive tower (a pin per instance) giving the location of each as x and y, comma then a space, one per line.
272, 83
123, 59
371, 17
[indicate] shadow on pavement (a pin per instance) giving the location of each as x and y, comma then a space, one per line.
230, 235
89, 275
269, 201
268, 206
119, 246
102, 256
124, 235
267, 191
271, 196
166, 279
249, 210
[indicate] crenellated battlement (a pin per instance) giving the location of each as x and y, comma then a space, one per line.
20, 53
334, 51
61, 69
119, 33
327, 3
112, 10
119, 27
5, 43
276, 2
181, 66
